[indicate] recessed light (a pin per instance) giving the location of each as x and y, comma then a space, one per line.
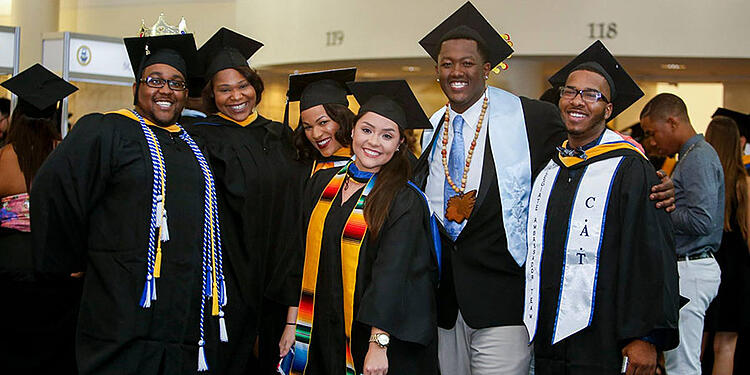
410, 68
673, 66
369, 75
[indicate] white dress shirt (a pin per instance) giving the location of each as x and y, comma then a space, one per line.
436, 179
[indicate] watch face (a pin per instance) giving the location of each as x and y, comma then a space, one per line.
383, 340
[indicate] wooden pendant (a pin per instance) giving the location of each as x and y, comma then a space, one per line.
460, 206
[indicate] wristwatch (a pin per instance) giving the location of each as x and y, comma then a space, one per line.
381, 339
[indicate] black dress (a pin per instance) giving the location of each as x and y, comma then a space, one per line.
90, 209
395, 287
730, 310
39, 325
256, 188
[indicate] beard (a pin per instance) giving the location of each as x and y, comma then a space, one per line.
596, 120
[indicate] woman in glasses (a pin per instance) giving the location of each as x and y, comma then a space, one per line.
366, 288
253, 163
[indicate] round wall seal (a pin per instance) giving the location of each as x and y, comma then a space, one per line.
83, 55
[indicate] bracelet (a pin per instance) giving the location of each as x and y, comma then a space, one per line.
291, 324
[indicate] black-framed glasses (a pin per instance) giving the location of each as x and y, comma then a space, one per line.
588, 95
158, 83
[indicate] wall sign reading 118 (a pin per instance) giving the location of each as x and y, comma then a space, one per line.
602, 30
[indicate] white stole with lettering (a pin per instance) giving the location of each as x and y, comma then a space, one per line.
582, 247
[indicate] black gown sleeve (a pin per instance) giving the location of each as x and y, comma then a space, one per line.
286, 283
67, 185
647, 282
400, 295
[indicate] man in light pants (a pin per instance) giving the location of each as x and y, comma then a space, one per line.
698, 220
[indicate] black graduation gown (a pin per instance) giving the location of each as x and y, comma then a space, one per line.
636, 288
39, 320
90, 211
395, 287
254, 169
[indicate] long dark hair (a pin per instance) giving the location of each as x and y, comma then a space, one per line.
33, 139
209, 102
392, 177
724, 135
339, 114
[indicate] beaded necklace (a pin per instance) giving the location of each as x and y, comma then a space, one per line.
213, 284
460, 205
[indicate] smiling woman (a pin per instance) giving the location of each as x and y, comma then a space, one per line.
253, 162
367, 275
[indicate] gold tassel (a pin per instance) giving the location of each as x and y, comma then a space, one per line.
157, 265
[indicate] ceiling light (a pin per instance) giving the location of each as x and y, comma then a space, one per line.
410, 68
673, 66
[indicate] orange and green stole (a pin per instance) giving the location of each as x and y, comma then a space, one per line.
351, 242
345, 153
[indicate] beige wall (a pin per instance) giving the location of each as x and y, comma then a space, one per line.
295, 30
123, 18
737, 96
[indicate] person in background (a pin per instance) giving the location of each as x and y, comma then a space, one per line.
253, 162
729, 313
39, 334
367, 296
743, 124
4, 119
698, 219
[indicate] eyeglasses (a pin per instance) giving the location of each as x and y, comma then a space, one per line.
158, 83
588, 95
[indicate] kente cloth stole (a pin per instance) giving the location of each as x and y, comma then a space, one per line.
576, 300
351, 242
344, 152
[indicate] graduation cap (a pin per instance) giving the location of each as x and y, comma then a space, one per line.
393, 100
623, 90
467, 23
316, 88
177, 51
38, 91
742, 120
226, 49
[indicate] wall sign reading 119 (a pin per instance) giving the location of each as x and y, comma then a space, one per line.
602, 30
334, 38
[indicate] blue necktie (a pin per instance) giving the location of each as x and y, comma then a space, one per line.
456, 163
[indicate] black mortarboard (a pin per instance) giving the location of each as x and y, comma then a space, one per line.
196, 83
391, 99
623, 90
38, 91
315, 88
226, 49
467, 23
742, 120
177, 51
324, 87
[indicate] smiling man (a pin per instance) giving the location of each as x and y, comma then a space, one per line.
476, 169
126, 197
601, 272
